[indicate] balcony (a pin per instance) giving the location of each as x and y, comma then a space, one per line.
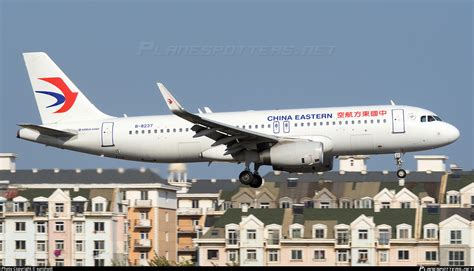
143, 203
143, 243
97, 253
342, 241
189, 211
232, 242
383, 242
273, 241
186, 230
142, 223
186, 249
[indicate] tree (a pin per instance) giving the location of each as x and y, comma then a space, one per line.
162, 261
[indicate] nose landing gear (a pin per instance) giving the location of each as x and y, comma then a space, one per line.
254, 179
401, 173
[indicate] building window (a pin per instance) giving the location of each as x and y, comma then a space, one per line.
403, 255
143, 256
273, 255
213, 254
319, 233
227, 205
99, 262
431, 255
1, 227
79, 262
342, 237
296, 233
99, 226
405, 205
20, 262
273, 237
456, 237
233, 255
59, 207
20, 244
472, 202
251, 254
342, 256
79, 227
384, 236
385, 205
1, 245
325, 205
403, 233
264, 205
195, 203
40, 262
296, 255
319, 254
363, 234
20, 226
346, 204
79, 246
19, 207
251, 234
59, 245
98, 207
59, 226
99, 245
456, 258
41, 245
453, 199
431, 233
383, 256
232, 237
363, 256
285, 204
40, 227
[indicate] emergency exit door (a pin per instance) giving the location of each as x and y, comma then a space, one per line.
398, 121
107, 134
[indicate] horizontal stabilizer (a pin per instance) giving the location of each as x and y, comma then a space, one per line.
48, 131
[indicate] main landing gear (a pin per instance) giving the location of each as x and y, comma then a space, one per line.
401, 173
254, 179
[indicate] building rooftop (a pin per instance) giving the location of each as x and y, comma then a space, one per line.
85, 176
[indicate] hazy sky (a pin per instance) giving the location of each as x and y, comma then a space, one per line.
240, 56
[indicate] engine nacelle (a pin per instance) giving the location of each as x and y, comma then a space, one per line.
295, 156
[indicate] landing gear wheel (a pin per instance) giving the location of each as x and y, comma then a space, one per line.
246, 177
257, 181
401, 173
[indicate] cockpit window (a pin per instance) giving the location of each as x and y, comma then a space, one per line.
430, 118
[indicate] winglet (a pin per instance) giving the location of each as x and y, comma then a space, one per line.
172, 103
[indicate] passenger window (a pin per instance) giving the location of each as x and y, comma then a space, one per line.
243, 126
263, 126
314, 124
156, 131
365, 121
372, 121
352, 122
136, 132
174, 130
180, 130
269, 126
321, 123
359, 121
167, 130
378, 121
340, 122
187, 129
130, 132
423, 118
308, 124
333, 123
149, 131
347, 122
296, 124
161, 131
143, 131
327, 123
430, 119
384, 120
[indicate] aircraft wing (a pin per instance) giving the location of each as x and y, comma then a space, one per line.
236, 139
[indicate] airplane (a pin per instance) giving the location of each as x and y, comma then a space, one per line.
291, 140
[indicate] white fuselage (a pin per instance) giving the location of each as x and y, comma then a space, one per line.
342, 130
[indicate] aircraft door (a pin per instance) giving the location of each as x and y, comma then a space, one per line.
107, 134
286, 126
398, 121
276, 127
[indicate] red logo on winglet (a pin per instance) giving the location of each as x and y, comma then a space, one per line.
170, 101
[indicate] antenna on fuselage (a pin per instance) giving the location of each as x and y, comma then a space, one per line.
391, 101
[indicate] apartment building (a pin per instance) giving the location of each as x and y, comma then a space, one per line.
337, 237
92, 217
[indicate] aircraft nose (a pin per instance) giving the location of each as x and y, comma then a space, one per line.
452, 133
